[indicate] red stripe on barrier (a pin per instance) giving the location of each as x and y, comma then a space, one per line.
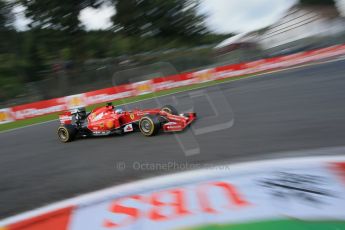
38, 108
339, 169
55, 220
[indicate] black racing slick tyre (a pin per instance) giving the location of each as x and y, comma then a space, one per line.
170, 109
149, 125
67, 133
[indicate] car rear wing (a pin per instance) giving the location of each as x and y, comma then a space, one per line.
66, 118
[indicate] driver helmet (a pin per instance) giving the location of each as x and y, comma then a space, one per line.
118, 110
79, 110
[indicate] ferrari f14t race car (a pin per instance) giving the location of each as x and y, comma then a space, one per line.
108, 120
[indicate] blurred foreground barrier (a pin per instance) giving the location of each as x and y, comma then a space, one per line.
298, 193
157, 84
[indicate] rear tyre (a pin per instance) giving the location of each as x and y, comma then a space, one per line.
67, 133
149, 125
170, 109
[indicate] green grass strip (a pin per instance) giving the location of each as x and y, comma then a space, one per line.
54, 116
278, 225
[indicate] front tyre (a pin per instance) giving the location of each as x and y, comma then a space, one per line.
67, 133
149, 125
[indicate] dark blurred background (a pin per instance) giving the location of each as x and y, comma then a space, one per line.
56, 56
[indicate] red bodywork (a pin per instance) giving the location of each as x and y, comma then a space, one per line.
105, 119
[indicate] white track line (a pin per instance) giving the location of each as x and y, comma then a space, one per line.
196, 88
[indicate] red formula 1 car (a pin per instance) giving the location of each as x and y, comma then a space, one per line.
109, 120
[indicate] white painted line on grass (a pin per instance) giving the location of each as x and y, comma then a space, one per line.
201, 87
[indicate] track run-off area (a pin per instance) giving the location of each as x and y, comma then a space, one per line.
247, 119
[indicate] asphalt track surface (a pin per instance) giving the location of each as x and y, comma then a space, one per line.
296, 109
